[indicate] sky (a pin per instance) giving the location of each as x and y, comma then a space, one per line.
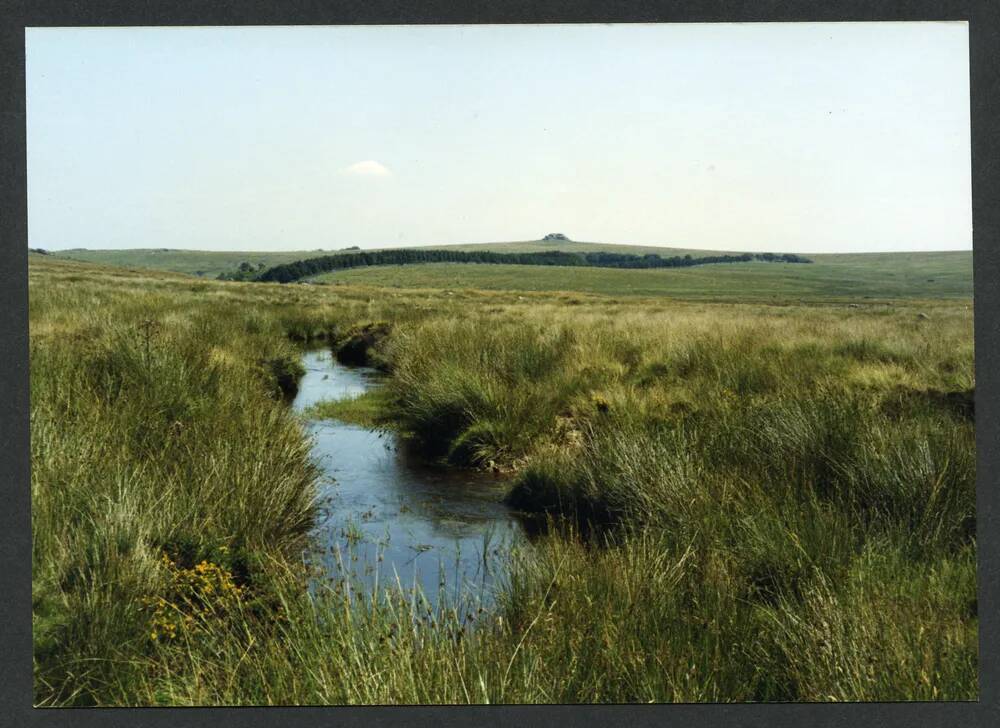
842, 137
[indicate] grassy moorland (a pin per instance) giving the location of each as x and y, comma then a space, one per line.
873, 277
211, 263
778, 501
202, 263
573, 246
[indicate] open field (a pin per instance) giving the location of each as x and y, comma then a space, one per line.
573, 246
211, 263
749, 501
851, 278
192, 262
848, 277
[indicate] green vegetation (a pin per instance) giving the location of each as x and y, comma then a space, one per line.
201, 263
210, 264
244, 272
572, 246
289, 272
761, 502
361, 345
285, 371
853, 278
371, 409
845, 277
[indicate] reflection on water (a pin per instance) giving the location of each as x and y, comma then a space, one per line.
386, 516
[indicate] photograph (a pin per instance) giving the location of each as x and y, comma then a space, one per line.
518, 364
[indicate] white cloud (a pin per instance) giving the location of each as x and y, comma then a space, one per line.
368, 168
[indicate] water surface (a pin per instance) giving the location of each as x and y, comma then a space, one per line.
386, 516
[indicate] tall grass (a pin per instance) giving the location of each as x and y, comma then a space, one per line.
764, 503
145, 419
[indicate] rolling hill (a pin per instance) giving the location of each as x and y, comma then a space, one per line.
871, 276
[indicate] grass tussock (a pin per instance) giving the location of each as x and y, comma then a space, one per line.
742, 508
372, 409
361, 346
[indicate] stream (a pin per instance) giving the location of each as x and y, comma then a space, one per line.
388, 518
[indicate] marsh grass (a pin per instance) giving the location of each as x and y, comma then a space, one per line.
746, 502
372, 409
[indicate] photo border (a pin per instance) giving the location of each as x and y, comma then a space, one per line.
16, 688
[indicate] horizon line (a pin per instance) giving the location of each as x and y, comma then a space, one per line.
498, 242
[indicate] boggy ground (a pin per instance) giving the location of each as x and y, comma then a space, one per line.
779, 499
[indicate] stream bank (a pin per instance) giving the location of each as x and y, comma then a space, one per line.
388, 517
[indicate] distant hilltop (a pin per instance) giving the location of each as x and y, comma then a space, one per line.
556, 236
287, 272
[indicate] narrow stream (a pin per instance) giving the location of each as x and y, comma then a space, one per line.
388, 518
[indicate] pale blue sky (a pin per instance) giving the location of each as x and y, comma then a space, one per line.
784, 137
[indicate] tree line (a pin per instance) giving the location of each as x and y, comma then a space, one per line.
288, 272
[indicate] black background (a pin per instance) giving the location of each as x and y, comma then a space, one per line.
15, 536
